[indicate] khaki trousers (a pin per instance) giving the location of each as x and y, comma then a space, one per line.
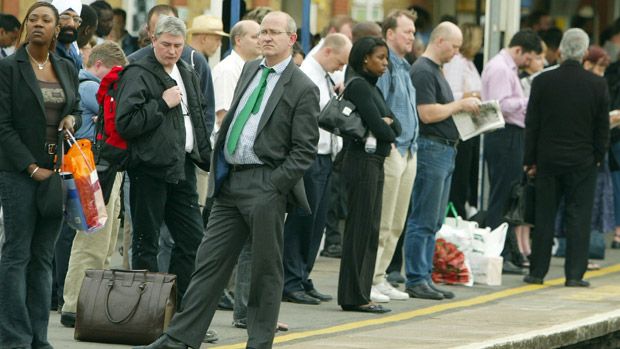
92, 251
399, 176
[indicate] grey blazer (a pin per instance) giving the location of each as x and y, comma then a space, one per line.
287, 136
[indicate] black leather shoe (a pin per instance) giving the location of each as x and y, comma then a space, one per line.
318, 295
368, 308
529, 279
164, 342
615, 245
576, 283
300, 297
332, 251
510, 268
226, 301
423, 291
67, 319
210, 337
445, 293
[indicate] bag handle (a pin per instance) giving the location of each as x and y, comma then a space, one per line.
60, 150
451, 209
347, 85
110, 285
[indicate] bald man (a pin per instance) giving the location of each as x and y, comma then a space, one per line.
303, 233
436, 152
264, 147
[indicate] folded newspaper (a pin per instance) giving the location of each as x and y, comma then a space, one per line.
470, 125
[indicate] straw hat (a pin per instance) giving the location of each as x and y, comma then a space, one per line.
207, 25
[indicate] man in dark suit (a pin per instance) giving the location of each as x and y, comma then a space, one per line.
267, 141
566, 136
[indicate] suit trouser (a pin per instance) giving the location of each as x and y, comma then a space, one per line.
337, 204
166, 243
503, 152
153, 202
303, 232
92, 251
399, 176
577, 187
248, 205
364, 175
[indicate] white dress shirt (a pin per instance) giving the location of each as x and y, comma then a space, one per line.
189, 129
462, 76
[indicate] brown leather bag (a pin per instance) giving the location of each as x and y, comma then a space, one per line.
124, 306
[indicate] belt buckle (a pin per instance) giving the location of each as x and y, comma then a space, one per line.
51, 149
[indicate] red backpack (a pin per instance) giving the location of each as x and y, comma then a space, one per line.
110, 147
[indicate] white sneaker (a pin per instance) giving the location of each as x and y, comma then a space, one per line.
378, 297
386, 289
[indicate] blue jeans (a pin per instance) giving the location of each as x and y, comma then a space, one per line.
429, 199
26, 265
615, 177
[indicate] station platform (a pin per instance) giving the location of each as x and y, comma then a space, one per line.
515, 315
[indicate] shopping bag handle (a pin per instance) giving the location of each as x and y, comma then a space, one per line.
60, 150
451, 209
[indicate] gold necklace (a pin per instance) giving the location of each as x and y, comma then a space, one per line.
39, 65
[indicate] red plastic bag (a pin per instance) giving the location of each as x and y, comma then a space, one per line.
80, 161
450, 265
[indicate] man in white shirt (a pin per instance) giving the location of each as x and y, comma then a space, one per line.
244, 40
303, 233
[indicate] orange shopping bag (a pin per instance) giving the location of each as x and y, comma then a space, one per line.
80, 161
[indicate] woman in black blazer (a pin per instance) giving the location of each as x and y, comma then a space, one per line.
363, 171
38, 97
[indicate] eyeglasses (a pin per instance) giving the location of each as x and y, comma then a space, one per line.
271, 33
76, 19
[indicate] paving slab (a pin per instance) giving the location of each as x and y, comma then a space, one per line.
513, 315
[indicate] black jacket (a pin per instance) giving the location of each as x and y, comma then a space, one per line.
567, 120
370, 104
155, 134
22, 113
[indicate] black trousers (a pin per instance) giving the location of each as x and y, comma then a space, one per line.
303, 232
153, 202
364, 176
464, 188
577, 188
248, 206
503, 152
337, 204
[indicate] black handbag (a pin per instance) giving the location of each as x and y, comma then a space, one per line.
50, 198
520, 208
341, 118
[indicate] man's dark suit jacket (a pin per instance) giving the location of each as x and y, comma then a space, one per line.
567, 120
22, 113
287, 135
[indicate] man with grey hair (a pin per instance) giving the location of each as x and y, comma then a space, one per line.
267, 141
566, 138
160, 112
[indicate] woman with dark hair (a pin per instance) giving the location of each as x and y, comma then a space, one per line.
38, 97
363, 169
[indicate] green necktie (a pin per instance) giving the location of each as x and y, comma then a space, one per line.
251, 107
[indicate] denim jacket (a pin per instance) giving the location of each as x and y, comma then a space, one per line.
399, 95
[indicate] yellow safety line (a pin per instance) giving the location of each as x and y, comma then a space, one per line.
427, 311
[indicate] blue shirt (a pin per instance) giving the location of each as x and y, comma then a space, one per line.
244, 153
71, 54
89, 85
402, 102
